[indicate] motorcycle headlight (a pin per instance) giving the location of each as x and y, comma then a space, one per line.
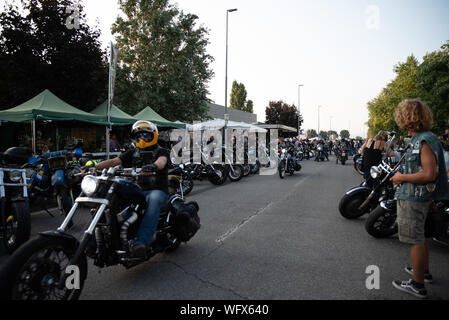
181, 166
15, 176
89, 185
284, 150
374, 172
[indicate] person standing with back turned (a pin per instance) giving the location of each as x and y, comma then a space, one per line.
424, 180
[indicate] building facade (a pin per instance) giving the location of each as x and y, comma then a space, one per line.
217, 112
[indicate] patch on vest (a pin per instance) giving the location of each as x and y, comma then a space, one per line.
431, 187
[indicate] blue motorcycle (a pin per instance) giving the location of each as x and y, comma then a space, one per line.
53, 177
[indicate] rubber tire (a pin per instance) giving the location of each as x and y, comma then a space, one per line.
219, 181
15, 263
347, 203
239, 177
373, 218
246, 170
22, 216
281, 171
343, 162
255, 168
173, 246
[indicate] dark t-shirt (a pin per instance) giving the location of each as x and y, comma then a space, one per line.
162, 175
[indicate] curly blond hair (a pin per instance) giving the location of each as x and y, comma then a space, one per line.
413, 115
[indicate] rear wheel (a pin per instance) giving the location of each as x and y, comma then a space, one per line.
381, 223
17, 225
246, 170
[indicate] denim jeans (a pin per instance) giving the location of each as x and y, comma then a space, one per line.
155, 199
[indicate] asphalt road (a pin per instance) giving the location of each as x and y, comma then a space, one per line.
267, 238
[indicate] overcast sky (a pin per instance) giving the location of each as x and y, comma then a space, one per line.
343, 52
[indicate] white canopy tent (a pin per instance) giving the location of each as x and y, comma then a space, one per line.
220, 123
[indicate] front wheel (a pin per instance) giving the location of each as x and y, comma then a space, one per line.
17, 225
246, 170
235, 173
349, 205
381, 223
219, 176
281, 170
34, 270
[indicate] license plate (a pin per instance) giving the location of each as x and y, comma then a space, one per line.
343, 154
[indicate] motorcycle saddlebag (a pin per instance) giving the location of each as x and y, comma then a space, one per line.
187, 220
17, 155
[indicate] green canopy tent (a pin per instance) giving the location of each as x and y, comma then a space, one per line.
151, 115
47, 106
117, 116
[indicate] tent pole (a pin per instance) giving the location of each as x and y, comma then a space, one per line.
33, 132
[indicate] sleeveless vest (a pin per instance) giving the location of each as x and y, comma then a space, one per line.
436, 190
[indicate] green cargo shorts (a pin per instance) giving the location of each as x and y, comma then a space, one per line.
412, 220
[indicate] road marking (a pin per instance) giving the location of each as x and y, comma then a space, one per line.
234, 229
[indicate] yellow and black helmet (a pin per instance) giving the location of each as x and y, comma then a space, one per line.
144, 133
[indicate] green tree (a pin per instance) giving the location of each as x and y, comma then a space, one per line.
381, 109
238, 96
311, 133
344, 134
163, 60
433, 85
38, 51
332, 132
249, 106
279, 112
324, 135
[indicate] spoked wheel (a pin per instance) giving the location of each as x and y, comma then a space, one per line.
235, 172
219, 176
34, 271
381, 223
17, 225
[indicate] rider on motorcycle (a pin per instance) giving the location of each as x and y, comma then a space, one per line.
153, 186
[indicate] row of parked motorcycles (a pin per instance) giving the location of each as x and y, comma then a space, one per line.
380, 205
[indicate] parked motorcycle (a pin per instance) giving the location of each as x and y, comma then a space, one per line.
15, 222
38, 270
381, 222
215, 172
53, 178
360, 200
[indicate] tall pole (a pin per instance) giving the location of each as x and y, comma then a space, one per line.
226, 73
319, 120
299, 105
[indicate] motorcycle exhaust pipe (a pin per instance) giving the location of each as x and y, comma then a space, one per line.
124, 230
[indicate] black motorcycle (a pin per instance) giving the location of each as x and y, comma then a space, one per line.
320, 153
360, 200
357, 159
39, 269
15, 221
285, 164
381, 222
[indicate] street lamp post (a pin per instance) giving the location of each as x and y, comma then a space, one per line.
226, 75
319, 119
299, 105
